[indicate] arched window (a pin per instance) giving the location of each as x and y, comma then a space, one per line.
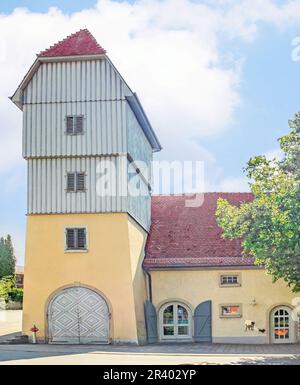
175, 321
282, 325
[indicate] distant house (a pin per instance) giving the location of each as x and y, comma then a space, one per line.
120, 268
20, 276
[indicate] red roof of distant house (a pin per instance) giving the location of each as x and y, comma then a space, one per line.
19, 269
183, 236
77, 44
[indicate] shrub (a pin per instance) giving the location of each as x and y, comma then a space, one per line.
16, 295
9, 290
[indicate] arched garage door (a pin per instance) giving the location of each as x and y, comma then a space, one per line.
78, 315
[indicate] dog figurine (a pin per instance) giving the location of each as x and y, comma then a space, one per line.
249, 325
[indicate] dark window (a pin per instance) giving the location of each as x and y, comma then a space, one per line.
69, 128
76, 239
78, 124
229, 280
75, 181
80, 181
71, 181
74, 125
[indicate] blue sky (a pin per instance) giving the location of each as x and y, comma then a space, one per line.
269, 97
68, 6
254, 69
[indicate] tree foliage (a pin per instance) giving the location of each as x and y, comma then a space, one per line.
7, 257
9, 290
269, 226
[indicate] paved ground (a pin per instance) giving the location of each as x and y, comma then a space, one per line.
160, 354
152, 354
10, 323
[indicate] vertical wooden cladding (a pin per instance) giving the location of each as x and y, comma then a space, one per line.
104, 129
139, 199
47, 186
138, 145
139, 207
91, 88
71, 81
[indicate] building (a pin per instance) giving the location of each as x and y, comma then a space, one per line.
19, 276
103, 264
202, 279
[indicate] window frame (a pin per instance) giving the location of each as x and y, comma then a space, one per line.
72, 227
234, 315
74, 119
76, 173
175, 323
238, 284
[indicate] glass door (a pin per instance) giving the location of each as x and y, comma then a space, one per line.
175, 321
282, 325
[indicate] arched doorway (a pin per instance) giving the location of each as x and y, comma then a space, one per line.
282, 325
175, 321
78, 315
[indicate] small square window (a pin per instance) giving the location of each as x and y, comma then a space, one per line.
76, 239
75, 181
74, 125
230, 311
229, 280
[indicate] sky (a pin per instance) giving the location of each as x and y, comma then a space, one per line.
219, 79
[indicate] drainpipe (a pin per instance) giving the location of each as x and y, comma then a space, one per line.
149, 283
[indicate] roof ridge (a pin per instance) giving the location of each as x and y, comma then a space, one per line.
206, 192
59, 42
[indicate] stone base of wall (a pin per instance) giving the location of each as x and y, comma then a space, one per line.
241, 340
125, 342
11, 305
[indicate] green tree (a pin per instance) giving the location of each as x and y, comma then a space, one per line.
7, 257
9, 290
269, 226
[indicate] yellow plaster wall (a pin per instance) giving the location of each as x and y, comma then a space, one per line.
137, 240
107, 267
195, 286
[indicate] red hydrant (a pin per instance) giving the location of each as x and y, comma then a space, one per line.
34, 330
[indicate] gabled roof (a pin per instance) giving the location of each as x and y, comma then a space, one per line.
78, 44
83, 45
185, 237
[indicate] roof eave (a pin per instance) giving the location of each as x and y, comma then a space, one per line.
201, 267
70, 58
16, 98
143, 120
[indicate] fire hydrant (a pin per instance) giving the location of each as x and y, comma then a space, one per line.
34, 330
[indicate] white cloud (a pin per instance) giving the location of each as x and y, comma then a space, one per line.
171, 53
233, 184
168, 51
164, 52
275, 153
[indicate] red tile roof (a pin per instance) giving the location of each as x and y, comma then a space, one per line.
79, 43
183, 236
